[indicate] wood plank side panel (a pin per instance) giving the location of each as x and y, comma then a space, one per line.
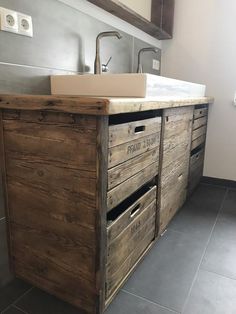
5, 188
52, 190
101, 214
174, 165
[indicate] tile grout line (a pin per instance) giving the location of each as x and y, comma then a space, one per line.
204, 252
149, 301
18, 308
23, 295
17, 299
38, 67
220, 275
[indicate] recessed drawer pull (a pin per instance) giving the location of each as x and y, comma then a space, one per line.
135, 210
139, 129
180, 177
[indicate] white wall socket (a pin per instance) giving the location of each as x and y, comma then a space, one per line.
9, 20
156, 64
25, 25
16, 22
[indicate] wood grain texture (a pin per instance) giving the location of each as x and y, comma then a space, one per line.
197, 123
201, 112
124, 171
129, 150
120, 10
3, 173
199, 132
122, 246
174, 167
163, 14
124, 105
94, 106
126, 132
101, 213
127, 268
53, 216
195, 170
130, 251
198, 141
116, 227
123, 190
67, 104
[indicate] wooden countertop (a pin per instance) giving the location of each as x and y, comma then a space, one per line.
95, 105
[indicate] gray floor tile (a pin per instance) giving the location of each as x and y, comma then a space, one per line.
220, 255
229, 206
39, 302
13, 310
126, 303
11, 292
212, 294
198, 215
166, 274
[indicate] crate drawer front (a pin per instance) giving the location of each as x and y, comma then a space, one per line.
199, 132
198, 141
196, 162
198, 113
122, 246
129, 150
127, 132
199, 122
175, 173
124, 171
171, 206
129, 214
126, 245
116, 277
125, 189
178, 152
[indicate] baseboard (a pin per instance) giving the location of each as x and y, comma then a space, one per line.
220, 182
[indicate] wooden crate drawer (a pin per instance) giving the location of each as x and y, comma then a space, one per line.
128, 236
127, 132
124, 171
198, 113
196, 161
199, 122
198, 141
196, 170
174, 173
116, 195
199, 132
129, 140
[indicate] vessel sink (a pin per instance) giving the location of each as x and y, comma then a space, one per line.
124, 85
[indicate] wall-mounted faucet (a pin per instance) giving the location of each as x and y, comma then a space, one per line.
97, 64
141, 51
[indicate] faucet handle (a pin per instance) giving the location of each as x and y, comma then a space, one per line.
105, 66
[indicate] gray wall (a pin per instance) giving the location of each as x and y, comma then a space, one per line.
63, 43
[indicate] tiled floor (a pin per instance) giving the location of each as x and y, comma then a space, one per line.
191, 270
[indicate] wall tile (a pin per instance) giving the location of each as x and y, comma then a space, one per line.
25, 80
146, 58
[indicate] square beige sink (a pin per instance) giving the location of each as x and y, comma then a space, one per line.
123, 85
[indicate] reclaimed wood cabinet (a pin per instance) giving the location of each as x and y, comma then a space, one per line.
174, 167
198, 140
87, 191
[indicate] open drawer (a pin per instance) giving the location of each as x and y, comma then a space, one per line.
131, 229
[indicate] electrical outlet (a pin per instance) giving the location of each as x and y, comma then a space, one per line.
16, 22
8, 20
25, 25
156, 64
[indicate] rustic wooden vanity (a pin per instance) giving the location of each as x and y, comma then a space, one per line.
90, 184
